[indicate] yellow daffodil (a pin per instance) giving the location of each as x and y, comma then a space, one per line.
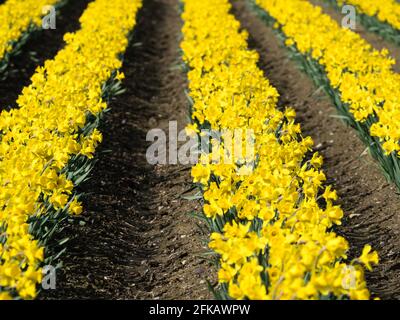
39, 138
277, 241
16, 18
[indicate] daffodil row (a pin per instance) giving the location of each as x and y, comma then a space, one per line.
18, 19
384, 10
270, 214
52, 133
359, 78
382, 17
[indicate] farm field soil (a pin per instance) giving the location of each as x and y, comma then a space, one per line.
138, 241
44, 44
369, 202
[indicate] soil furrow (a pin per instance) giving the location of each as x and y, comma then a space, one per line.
138, 241
42, 45
369, 202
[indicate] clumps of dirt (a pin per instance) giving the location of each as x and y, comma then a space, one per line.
138, 240
42, 45
370, 203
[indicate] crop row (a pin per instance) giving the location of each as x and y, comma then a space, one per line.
385, 10
271, 215
48, 141
360, 79
381, 16
18, 20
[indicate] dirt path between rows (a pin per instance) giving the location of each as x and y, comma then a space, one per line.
370, 203
138, 241
43, 44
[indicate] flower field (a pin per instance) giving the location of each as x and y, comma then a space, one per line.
44, 156
185, 149
19, 19
381, 17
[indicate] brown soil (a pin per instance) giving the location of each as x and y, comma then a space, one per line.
42, 45
138, 241
374, 39
370, 203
